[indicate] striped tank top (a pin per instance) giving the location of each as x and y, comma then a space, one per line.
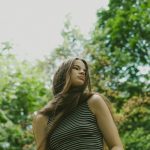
77, 131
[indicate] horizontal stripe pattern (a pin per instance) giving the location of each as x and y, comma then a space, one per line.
77, 131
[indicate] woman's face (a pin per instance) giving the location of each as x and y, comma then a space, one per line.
78, 73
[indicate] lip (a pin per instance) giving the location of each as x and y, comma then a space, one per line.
82, 78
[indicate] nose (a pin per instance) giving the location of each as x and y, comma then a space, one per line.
82, 72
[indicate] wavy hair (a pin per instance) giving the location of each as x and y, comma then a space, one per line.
65, 98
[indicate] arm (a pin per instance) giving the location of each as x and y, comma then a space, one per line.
39, 125
105, 122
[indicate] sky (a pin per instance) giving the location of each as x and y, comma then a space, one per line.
34, 26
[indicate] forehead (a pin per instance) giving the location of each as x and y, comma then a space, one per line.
79, 63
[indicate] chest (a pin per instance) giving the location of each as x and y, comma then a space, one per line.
79, 123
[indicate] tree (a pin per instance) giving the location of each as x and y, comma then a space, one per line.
120, 45
118, 49
72, 46
23, 90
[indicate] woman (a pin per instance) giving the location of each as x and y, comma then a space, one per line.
76, 118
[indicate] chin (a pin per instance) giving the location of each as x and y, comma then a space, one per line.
79, 84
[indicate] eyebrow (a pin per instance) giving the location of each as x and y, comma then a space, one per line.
80, 67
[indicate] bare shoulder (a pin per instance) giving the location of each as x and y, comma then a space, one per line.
37, 117
39, 120
96, 102
94, 99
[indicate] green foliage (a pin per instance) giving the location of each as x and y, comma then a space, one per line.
13, 137
73, 41
135, 139
72, 46
118, 49
136, 122
23, 90
117, 53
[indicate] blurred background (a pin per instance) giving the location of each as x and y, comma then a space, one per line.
36, 36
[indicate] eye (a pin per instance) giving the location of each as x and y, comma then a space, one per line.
76, 68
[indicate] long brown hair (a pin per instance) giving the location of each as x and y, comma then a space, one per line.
65, 98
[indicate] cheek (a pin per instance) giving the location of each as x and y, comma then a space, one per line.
73, 77
73, 74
